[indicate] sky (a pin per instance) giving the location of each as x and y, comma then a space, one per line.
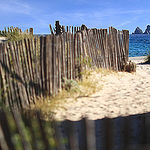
38, 14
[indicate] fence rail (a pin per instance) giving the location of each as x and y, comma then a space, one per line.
38, 66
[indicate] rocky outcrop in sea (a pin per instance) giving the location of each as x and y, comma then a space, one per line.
138, 31
147, 31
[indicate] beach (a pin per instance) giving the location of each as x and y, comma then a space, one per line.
3, 39
123, 94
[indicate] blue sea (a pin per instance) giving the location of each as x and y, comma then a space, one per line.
139, 45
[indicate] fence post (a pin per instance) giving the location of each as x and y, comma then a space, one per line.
57, 28
31, 31
90, 134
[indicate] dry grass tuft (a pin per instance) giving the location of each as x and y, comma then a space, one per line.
90, 83
129, 67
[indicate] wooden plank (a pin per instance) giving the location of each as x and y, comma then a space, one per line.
4, 85
6, 130
80, 55
45, 65
22, 74
20, 81
31, 55
63, 29
63, 66
83, 51
76, 56
118, 51
56, 64
67, 55
106, 49
14, 76
69, 29
126, 133
44, 68
93, 48
90, 134
58, 135
95, 40
90, 46
1, 78
111, 47
75, 30
28, 67
102, 36
71, 58
99, 53
108, 134
37, 53
109, 51
53, 65
51, 29
97, 47
20, 126
83, 143
70, 130
7, 85
42, 64
59, 63
147, 127
31, 124
3, 144
126, 42
121, 48
43, 133
72, 55
48, 63
34, 65
25, 71
114, 32
72, 30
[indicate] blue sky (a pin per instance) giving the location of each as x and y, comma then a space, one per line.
121, 14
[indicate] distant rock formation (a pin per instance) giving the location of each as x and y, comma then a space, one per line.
147, 31
138, 31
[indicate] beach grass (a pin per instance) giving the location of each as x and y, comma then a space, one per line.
147, 59
90, 84
15, 34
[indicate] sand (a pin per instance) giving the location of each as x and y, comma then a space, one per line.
3, 39
122, 94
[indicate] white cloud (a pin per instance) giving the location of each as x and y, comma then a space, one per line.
15, 6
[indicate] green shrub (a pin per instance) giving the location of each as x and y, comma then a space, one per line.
129, 67
148, 57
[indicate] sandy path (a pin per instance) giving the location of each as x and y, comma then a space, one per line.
122, 94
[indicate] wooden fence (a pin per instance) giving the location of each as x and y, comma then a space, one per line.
39, 66
14, 30
22, 132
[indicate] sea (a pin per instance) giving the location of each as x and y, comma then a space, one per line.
139, 44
